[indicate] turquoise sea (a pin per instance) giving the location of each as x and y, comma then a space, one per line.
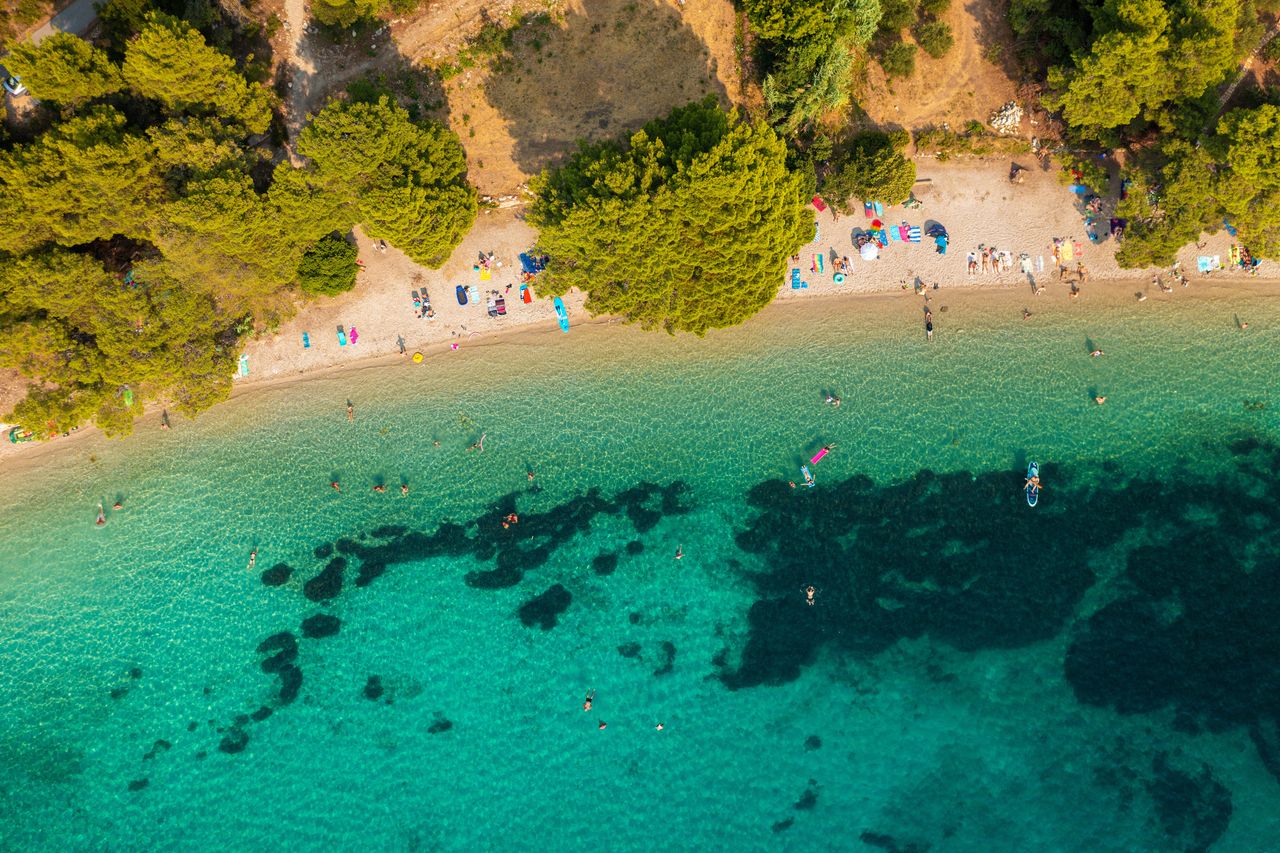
1100, 673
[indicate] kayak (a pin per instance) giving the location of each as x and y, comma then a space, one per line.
462, 295
561, 314
1033, 491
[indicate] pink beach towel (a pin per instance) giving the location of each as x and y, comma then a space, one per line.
354, 336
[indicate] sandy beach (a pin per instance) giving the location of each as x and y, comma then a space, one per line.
974, 201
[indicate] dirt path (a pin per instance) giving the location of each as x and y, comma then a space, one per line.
301, 70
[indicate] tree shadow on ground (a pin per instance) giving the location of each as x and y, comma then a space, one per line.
598, 74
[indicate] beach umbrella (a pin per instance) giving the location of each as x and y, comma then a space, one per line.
870, 252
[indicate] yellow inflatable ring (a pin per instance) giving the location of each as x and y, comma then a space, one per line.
417, 358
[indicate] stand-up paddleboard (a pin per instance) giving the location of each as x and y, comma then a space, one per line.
1033, 491
561, 314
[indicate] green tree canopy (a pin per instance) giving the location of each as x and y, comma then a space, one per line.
328, 268
64, 69
85, 179
871, 167
170, 62
344, 13
686, 228
84, 336
402, 181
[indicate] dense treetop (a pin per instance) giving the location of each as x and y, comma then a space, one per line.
685, 228
143, 237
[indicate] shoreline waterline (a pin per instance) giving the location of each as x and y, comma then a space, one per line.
1007, 301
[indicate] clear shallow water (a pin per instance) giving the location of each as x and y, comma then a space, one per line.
1097, 674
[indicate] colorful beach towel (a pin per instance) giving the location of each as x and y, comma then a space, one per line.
869, 209
1209, 263
892, 231
817, 202
354, 336
914, 234
795, 278
244, 364
306, 341
879, 208
1066, 252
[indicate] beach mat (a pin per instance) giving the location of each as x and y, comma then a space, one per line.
795, 278
244, 364
818, 203
868, 209
306, 341
914, 234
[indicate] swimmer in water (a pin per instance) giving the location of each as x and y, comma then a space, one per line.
351, 411
1100, 399
1096, 354
660, 727
102, 516
117, 505
479, 445
586, 703
809, 593
404, 489
530, 475
379, 488
253, 557
335, 486
679, 552
603, 725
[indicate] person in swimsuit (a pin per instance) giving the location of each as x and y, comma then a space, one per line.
1096, 354
351, 411
335, 486
379, 488
253, 557
679, 552
586, 703
404, 489
809, 593
1032, 482
479, 445
102, 516
928, 325
1100, 399
117, 505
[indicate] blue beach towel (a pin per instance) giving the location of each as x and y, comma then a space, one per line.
894, 237
244, 364
879, 208
306, 341
795, 278
1078, 189
532, 265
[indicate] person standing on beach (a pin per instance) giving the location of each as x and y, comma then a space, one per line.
928, 325
351, 411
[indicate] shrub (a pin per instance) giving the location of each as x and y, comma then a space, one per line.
328, 268
899, 60
934, 8
934, 37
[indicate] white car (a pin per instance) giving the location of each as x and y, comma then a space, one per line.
13, 85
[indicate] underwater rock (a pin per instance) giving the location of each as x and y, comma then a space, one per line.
370, 570
119, 692
668, 658
260, 714
440, 725
290, 683
809, 798
635, 617
192, 726
604, 564
493, 579
889, 844
812, 742
783, 825
235, 741
158, 746
277, 575
544, 610
388, 531
635, 547
629, 650
373, 689
135, 673
324, 552
320, 625
1195, 810
139, 784
327, 584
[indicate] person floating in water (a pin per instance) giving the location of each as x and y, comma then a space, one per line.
530, 475
1100, 399
379, 488
335, 485
586, 703
102, 516
404, 489
809, 593
1097, 354
117, 505
253, 557
679, 552
833, 401
510, 519
660, 726
479, 445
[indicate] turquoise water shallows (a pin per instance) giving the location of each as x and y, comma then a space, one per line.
1096, 674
